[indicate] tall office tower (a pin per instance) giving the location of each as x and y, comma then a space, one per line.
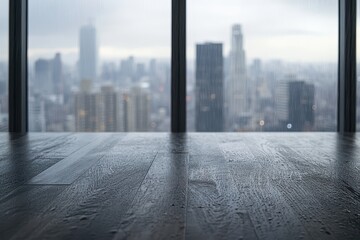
209, 88
43, 82
88, 53
282, 104
129, 113
141, 103
237, 87
127, 72
57, 75
294, 105
301, 112
140, 71
152, 68
89, 109
37, 121
113, 109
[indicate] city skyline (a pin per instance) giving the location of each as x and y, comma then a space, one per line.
117, 97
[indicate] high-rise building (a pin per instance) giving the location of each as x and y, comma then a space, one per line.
301, 105
237, 87
209, 88
46, 105
37, 121
140, 71
127, 72
57, 75
295, 105
88, 53
89, 109
43, 82
113, 109
129, 113
140, 108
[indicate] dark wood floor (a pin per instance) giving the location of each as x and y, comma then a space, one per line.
192, 186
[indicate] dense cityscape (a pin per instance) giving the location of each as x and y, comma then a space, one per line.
225, 92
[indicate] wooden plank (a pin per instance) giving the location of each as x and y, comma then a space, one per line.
69, 169
31, 145
141, 143
26, 157
204, 144
93, 206
175, 143
324, 195
21, 205
269, 211
159, 208
266, 186
22, 171
214, 207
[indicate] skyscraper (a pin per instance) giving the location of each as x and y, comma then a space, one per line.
88, 53
301, 102
89, 109
113, 109
237, 88
37, 121
140, 97
43, 77
209, 87
57, 76
294, 105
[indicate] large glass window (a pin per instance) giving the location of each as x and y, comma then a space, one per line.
4, 53
262, 65
99, 65
358, 64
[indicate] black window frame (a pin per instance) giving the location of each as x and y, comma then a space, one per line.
18, 81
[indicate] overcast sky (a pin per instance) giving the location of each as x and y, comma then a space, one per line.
293, 30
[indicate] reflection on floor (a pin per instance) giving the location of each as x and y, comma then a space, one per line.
191, 186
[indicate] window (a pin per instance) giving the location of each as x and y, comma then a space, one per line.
358, 64
99, 65
262, 65
4, 53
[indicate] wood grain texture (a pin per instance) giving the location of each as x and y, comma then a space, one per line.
70, 168
93, 206
159, 208
180, 186
214, 206
272, 216
22, 205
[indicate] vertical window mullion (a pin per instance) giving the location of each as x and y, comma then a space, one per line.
178, 66
347, 67
18, 22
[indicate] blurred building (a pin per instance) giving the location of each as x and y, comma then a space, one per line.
209, 88
48, 77
89, 109
295, 101
237, 87
43, 82
138, 109
37, 121
127, 72
88, 53
57, 75
113, 109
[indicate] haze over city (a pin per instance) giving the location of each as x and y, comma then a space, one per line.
131, 50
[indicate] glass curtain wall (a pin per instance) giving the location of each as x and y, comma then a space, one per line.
262, 65
99, 65
358, 64
4, 53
